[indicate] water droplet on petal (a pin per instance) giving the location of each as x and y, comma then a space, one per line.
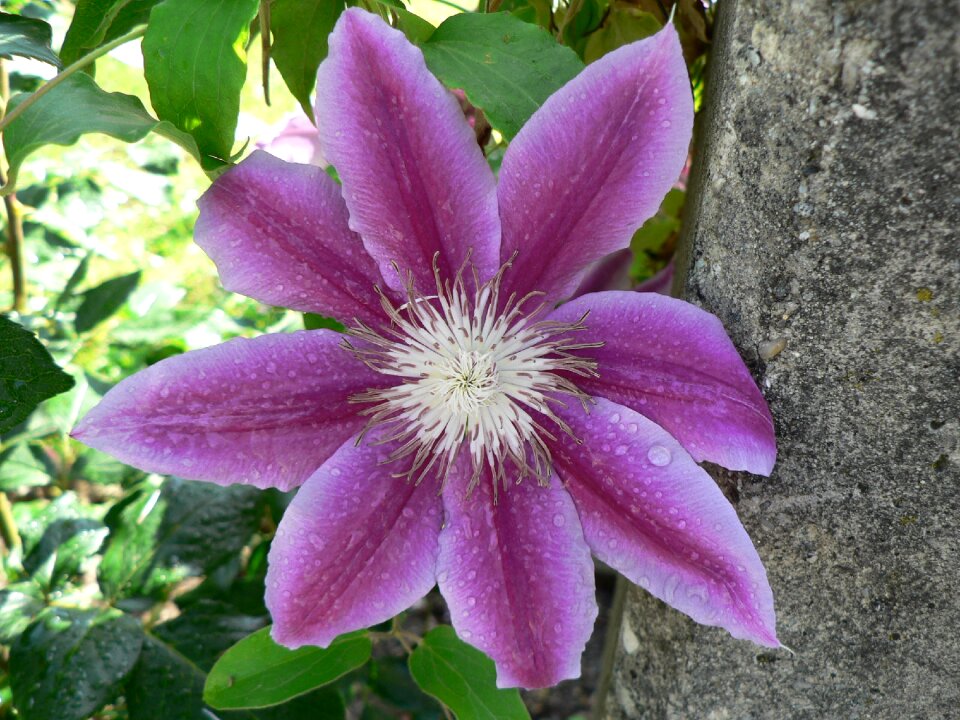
659, 455
558, 520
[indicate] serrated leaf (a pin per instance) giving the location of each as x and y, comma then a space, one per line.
300, 29
195, 63
69, 663
256, 672
78, 106
98, 21
28, 375
26, 37
160, 535
463, 678
104, 300
506, 67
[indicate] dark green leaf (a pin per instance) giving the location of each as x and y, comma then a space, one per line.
256, 672
69, 663
77, 277
195, 63
26, 37
98, 21
62, 550
160, 535
104, 300
417, 30
76, 107
28, 375
390, 679
463, 678
19, 603
165, 685
300, 29
312, 321
204, 630
506, 67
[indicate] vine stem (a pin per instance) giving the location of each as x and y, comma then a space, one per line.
18, 267
8, 526
70, 70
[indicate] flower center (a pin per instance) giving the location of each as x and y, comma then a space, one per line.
472, 373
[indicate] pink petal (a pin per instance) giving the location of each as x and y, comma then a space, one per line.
278, 233
649, 511
593, 163
296, 140
354, 548
264, 412
674, 363
414, 177
518, 578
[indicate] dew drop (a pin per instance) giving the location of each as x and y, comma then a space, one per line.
558, 520
659, 455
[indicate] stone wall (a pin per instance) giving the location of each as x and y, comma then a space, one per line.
824, 230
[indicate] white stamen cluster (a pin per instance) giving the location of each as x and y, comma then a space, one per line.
472, 372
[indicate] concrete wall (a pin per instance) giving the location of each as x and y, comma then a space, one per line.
823, 230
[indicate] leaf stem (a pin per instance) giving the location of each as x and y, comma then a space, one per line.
8, 526
18, 267
80, 64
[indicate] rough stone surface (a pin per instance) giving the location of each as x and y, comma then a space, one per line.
823, 230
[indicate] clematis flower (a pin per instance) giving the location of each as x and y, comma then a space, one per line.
469, 432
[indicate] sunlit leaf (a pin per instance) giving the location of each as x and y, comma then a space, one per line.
300, 29
26, 37
28, 375
506, 67
463, 678
98, 21
256, 672
195, 63
75, 107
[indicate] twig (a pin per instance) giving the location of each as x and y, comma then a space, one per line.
8, 526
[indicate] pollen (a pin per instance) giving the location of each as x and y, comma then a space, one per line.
476, 373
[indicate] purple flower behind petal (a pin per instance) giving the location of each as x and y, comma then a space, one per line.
296, 141
457, 376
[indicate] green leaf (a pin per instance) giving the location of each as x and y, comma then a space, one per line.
23, 465
69, 663
98, 21
75, 107
205, 629
390, 679
19, 603
28, 375
161, 535
463, 678
166, 685
62, 550
506, 67
26, 37
624, 24
195, 63
300, 29
312, 321
104, 300
417, 30
256, 672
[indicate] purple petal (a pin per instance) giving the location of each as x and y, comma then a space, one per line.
593, 163
518, 578
278, 233
264, 412
649, 511
414, 177
674, 363
354, 548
